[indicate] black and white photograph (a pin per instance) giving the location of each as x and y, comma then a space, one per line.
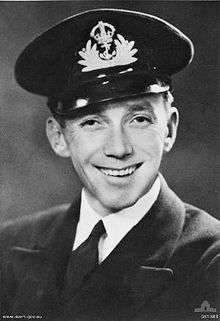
109, 160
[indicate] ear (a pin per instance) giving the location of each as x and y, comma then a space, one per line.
56, 137
172, 125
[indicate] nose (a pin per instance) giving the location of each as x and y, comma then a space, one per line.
118, 144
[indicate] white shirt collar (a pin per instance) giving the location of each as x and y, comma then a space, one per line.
117, 225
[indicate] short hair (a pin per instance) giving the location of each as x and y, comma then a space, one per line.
168, 99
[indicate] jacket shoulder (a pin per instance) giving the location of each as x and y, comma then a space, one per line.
200, 224
23, 229
199, 242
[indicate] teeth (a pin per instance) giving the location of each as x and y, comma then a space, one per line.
121, 172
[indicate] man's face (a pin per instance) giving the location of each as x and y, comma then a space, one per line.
117, 151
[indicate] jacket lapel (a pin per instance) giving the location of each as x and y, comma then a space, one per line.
39, 270
137, 270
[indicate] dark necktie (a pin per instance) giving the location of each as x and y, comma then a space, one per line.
83, 261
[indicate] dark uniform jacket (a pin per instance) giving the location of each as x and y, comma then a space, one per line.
166, 268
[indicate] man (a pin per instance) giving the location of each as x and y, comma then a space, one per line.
128, 248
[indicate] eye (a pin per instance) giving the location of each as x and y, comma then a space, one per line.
91, 123
141, 120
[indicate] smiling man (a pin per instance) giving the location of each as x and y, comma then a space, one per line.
127, 248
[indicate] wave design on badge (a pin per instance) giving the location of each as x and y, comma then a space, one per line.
106, 52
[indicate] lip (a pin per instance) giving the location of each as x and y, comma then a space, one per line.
137, 165
115, 172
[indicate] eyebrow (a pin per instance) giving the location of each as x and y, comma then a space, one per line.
143, 107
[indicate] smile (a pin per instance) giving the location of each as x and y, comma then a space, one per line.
119, 172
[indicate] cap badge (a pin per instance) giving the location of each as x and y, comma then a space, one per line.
106, 52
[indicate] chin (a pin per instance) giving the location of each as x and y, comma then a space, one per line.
119, 203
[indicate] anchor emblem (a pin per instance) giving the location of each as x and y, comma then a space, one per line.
106, 52
104, 38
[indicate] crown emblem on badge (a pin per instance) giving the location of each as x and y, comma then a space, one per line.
106, 52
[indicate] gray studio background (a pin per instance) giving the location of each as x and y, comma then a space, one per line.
34, 178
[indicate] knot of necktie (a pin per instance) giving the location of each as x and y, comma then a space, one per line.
97, 231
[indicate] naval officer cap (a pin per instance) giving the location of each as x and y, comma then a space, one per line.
102, 55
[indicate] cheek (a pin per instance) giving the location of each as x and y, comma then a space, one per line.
84, 147
150, 142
